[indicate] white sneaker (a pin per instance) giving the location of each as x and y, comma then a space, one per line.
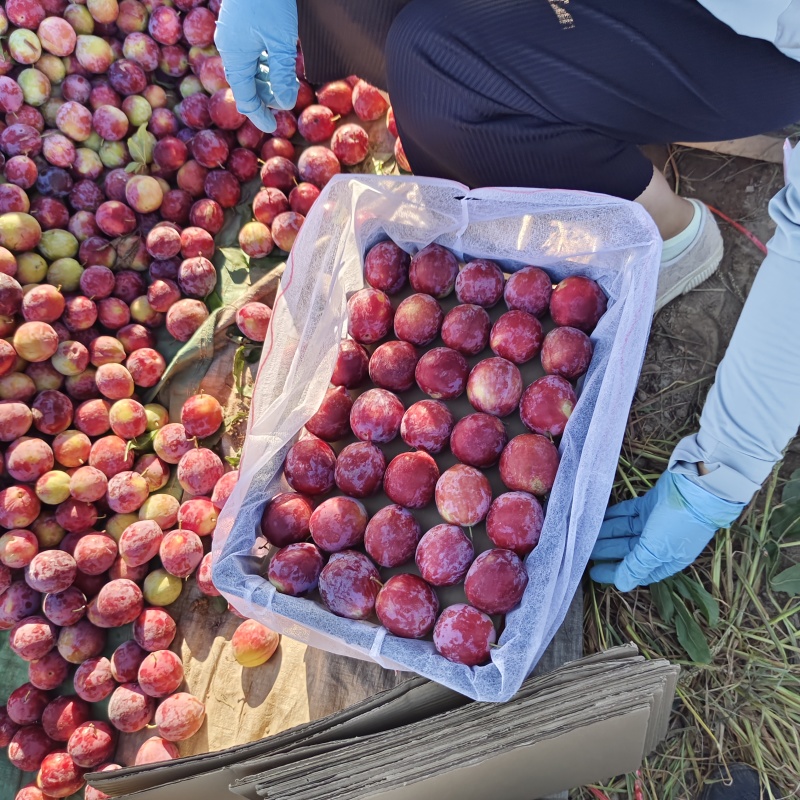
698, 262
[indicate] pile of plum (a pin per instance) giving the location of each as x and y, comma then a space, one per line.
358, 561
122, 156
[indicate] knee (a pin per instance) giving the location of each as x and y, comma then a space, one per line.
416, 70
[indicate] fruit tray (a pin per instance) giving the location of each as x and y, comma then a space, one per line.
566, 233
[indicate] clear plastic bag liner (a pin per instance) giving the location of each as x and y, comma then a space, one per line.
566, 232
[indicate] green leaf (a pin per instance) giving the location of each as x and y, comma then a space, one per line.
136, 167
784, 522
662, 599
791, 490
234, 460
141, 145
143, 442
787, 581
213, 301
690, 634
694, 591
239, 366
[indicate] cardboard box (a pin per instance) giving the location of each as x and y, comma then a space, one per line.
586, 721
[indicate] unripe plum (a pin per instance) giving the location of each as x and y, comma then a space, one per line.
285, 228
255, 240
18, 547
81, 641
253, 644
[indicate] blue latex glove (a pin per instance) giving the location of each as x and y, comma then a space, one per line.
651, 537
257, 40
751, 414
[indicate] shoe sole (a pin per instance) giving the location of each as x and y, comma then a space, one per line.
693, 279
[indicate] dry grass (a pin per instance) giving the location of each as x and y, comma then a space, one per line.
744, 704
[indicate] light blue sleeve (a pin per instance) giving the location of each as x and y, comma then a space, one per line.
777, 21
753, 409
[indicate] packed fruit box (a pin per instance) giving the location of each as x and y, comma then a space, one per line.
436, 421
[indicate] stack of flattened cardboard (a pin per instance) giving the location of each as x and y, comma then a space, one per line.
586, 721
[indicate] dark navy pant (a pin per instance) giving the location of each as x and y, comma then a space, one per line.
551, 93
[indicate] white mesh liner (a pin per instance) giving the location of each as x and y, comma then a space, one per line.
611, 240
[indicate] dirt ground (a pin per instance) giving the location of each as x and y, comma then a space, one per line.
690, 335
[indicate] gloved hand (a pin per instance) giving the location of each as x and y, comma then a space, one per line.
257, 40
651, 537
